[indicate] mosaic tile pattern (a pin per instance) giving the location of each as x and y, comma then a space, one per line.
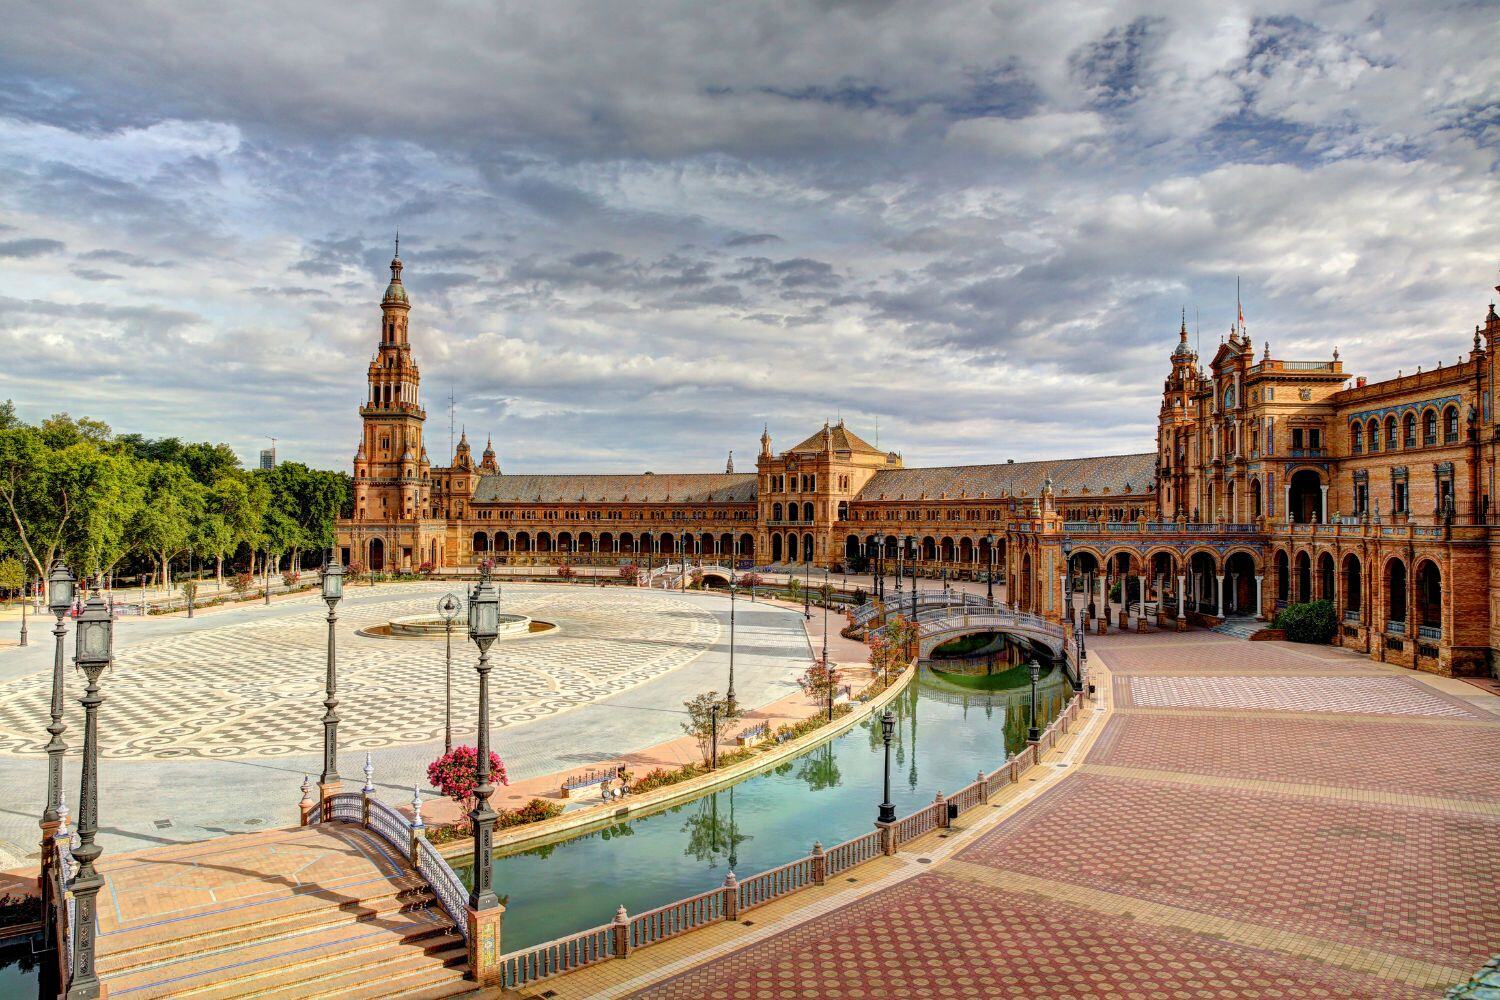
256, 688
1355, 695
937, 937
1378, 754
1402, 880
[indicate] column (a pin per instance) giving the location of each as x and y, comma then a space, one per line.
1258, 606
1218, 595
1323, 512
1140, 617
1286, 506
1181, 601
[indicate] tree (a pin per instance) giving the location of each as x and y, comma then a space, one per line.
891, 647
76, 499
793, 589
12, 574
820, 682
700, 719
168, 520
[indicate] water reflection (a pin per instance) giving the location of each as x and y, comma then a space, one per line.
945, 734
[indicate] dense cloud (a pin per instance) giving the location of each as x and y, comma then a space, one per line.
636, 232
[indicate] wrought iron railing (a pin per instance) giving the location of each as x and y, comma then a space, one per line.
445, 884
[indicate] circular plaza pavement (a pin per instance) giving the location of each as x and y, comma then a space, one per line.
209, 724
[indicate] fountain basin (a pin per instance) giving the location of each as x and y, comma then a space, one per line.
432, 627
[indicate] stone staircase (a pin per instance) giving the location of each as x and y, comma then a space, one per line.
320, 912
1240, 628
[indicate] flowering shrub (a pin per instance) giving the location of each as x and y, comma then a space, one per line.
290, 578
566, 572
456, 774
532, 812
241, 583
751, 580
629, 572
426, 568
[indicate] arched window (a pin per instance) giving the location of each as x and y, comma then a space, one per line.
843, 510
776, 512
1409, 431
791, 512
1372, 431
1357, 438
1391, 441
1429, 427
807, 512
1450, 425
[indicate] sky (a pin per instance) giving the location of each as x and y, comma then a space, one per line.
636, 233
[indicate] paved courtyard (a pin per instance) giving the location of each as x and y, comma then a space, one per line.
209, 725
1251, 820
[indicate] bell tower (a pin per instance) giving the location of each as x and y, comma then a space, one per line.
390, 466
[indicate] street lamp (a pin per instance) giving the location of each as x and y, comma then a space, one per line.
825, 617
267, 565
733, 589
25, 600
1034, 733
448, 607
61, 589
887, 730
989, 576
333, 592
95, 637
908, 540
713, 736
484, 626
1067, 551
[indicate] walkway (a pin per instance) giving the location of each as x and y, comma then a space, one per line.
1251, 820
209, 725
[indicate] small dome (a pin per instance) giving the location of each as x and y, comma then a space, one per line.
1182, 350
395, 292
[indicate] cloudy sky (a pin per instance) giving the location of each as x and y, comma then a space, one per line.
635, 232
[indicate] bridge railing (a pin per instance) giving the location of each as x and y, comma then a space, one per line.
407, 836
728, 901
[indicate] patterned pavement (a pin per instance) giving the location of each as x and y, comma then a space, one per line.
1284, 825
255, 689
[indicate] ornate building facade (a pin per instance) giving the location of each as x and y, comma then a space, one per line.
1273, 482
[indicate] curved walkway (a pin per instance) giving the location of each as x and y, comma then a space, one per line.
1257, 820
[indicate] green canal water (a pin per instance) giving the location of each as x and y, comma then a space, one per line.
945, 734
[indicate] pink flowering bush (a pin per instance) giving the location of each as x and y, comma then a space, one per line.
456, 774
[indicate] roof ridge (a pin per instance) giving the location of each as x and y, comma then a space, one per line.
1029, 461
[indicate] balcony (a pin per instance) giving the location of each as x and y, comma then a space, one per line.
1351, 617
1432, 633
1309, 452
1395, 628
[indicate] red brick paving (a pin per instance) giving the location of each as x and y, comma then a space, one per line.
1380, 876
1376, 754
1132, 654
1353, 695
933, 936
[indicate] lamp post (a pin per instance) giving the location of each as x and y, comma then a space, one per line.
908, 540
484, 626
900, 556
733, 588
333, 592
61, 588
95, 638
989, 576
448, 608
887, 812
25, 600
713, 737
1067, 551
1034, 733
268, 577
825, 617
806, 596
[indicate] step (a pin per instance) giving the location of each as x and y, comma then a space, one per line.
236, 971
269, 917
441, 991
397, 975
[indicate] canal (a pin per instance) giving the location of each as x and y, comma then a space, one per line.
948, 729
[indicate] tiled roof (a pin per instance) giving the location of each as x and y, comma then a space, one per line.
843, 440
646, 487
1070, 477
